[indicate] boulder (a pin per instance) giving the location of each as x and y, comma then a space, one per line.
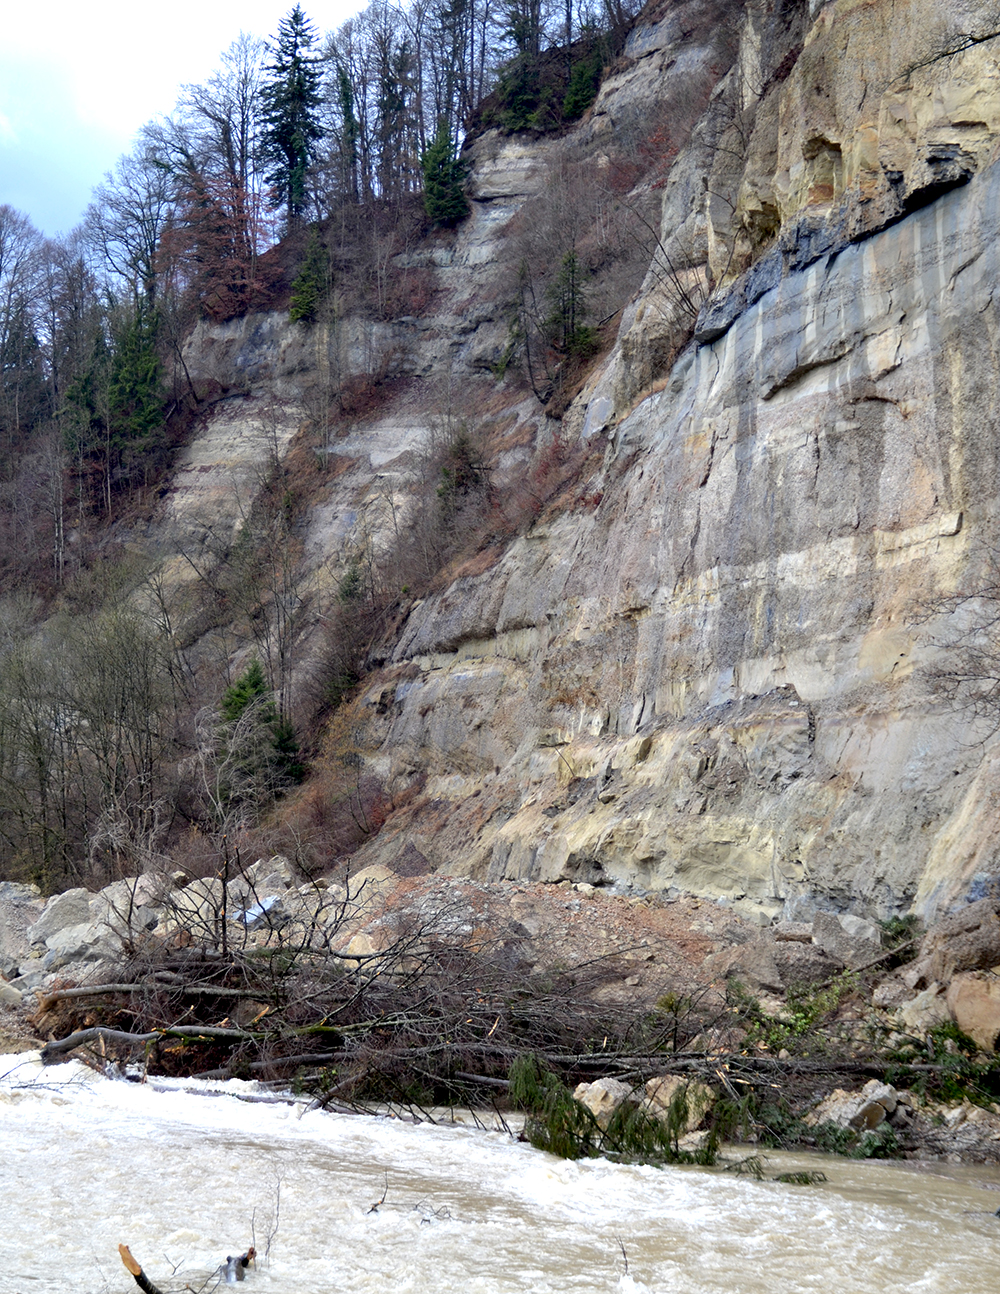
892, 992
829, 934
71, 908
603, 1097
10, 996
921, 1014
88, 942
860, 1111
973, 999
860, 928
197, 908
793, 932
752, 963
662, 1091
131, 905
804, 964
967, 940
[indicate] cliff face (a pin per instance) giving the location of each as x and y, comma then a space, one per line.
718, 666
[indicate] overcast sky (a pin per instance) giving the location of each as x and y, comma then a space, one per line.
79, 77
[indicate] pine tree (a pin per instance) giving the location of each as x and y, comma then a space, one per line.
291, 101
444, 195
310, 284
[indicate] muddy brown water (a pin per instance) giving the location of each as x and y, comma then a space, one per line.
186, 1178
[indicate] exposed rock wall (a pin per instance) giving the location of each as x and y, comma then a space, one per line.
716, 670
722, 677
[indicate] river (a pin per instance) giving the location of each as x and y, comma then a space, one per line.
187, 1177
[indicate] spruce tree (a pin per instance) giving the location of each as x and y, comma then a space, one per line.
291, 102
444, 196
310, 284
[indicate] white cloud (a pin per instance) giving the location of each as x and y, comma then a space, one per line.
72, 72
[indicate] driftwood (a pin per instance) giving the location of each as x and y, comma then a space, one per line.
233, 1269
141, 1279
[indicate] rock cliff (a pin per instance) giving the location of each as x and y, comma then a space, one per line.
720, 664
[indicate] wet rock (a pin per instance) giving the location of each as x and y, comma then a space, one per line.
973, 999
603, 1097
860, 1111
661, 1093
72, 908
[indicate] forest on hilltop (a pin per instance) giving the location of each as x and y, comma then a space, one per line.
301, 162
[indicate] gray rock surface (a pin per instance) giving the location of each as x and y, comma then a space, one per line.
71, 908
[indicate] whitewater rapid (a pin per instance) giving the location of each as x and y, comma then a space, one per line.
187, 1177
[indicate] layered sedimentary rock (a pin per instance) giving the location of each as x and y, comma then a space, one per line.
720, 665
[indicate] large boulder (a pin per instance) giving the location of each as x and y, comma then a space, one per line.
20, 907
602, 1098
71, 908
829, 933
90, 941
967, 940
925, 1011
859, 1111
804, 964
973, 999
662, 1092
197, 909
752, 963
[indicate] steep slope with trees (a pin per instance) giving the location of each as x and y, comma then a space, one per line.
626, 529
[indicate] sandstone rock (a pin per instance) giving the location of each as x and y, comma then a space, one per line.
967, 940
973, 999
830, 935
72, 908
603, 1097
662, 1091
925, 1011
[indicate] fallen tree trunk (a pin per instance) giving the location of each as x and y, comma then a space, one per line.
60, 1046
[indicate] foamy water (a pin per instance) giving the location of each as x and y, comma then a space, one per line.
185, 1178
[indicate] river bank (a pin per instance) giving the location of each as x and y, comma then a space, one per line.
315, 985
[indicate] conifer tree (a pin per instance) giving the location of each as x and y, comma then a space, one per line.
291, 101
310, 284
444, 195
